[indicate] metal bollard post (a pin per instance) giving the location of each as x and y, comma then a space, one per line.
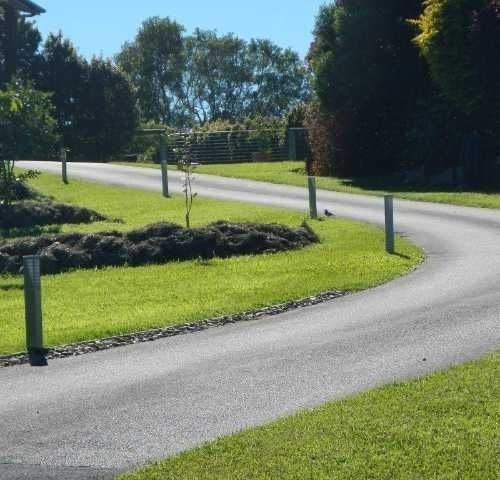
164, 168
64, 165
389, 223
33, 309
313, 209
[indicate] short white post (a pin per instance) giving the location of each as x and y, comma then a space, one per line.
33, 311
389, 223
64, 165
164, 167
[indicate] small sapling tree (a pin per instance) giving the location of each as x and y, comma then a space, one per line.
187, 164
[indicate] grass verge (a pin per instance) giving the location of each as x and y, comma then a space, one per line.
85, 305
293, 173
444, 426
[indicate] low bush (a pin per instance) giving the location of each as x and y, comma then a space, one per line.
17, 190
155, 244
26, 214
320, 127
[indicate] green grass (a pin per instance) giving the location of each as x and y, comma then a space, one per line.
292, 173
90, 304
444, 426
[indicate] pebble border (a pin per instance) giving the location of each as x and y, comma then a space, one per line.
83, 348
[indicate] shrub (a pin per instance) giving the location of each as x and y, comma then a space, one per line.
265, 131
320, 129
27, 124
147, 145
27, 130
460, 41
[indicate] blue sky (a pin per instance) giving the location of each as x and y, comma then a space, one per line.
102, 26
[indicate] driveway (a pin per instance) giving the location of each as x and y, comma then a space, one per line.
92, 416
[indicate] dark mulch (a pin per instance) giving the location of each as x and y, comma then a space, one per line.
155, 244
35, 213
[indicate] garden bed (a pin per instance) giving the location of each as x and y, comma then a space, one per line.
155, 244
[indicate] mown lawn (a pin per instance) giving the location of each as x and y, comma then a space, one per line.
90, 304
444, 426
293, 173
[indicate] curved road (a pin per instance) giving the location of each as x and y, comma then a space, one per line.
95, 415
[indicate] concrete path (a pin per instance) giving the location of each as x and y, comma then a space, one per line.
91, 416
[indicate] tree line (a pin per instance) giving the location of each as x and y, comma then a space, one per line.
162, 77
397, 86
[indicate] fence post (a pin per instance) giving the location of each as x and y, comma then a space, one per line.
64, 165
292, 144
313, 209
164, 166
33, 311
389, 223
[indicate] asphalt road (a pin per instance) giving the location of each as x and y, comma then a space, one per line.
91, 416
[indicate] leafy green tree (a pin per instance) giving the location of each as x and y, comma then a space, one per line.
227, 78
280, 79
28, 42
28, 130
27, 123
61, 71
94, 102
105, 118
186, 80
154, 62
217, 77
368, 76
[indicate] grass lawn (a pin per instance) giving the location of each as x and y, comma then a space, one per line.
89, 304
293, 173
444, 426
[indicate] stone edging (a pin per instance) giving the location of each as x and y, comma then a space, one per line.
83, 348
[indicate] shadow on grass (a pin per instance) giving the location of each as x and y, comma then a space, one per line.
11, 287
401, 255
397, 184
